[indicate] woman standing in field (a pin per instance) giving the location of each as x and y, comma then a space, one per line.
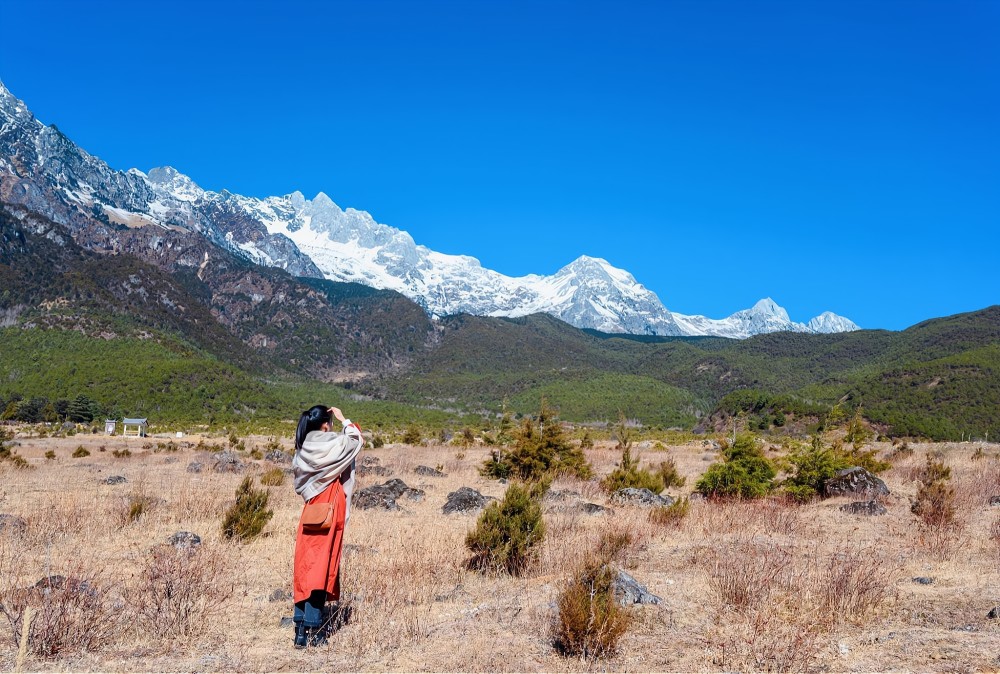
324, 478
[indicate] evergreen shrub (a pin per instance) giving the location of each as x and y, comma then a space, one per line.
744, 472
508, 532
248, 516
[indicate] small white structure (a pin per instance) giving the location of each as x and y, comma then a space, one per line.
110, 425
134, 428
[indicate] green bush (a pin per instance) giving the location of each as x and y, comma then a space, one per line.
813, 466
541, 449
508, 532
80, 452
411, 436
669, 475
744, 472
248, 516
629, 474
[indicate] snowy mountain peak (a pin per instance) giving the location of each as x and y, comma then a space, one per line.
828, 322
11, 106
768, 308
175, 183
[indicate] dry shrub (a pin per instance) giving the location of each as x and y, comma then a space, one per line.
272, 477
80, 452
180, 589
853, 584
745, 573
589, 621
747, 517
672, 515
669, 475
72, 614
134, 506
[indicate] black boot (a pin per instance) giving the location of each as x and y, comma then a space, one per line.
301, 635
318, 636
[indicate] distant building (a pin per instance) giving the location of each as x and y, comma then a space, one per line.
134, 428
110, 425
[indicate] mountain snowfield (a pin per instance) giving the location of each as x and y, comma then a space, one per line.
41, 168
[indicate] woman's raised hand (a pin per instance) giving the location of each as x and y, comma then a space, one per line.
335, 411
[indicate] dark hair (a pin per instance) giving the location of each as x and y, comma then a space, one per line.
311, 420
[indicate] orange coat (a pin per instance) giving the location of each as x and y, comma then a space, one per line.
317, 556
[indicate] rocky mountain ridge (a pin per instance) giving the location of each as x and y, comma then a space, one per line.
44, 171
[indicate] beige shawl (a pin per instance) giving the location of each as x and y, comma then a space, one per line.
325, 457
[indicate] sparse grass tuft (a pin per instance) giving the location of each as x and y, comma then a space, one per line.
671, 515
272, 477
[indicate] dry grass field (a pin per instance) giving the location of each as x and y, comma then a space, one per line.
744, 585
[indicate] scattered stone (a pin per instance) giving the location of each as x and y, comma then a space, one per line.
194, 467
923, 580
994, 613
640, 497
594, 509
185, 539
466, 499
428, 471
995, 500
58, 582
855, 481
868, 508
560, 495
115, 479
280, 594
381, 471
278, 456
629, 591
228, 462
12, 524
843, 649
385, 495
286, 621
171, 459
369, 460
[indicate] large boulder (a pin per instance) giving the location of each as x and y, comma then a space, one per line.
855, 481
385, 495
640, 497
228, 462
465, 499
278, 456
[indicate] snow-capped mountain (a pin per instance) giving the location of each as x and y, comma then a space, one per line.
40, 168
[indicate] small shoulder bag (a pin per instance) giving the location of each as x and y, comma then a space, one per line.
317, 517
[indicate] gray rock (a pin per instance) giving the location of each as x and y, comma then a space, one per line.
560, 495
12, 524
855, 481
995, 500
629, 591
115, 479
640, 497
286, 621
228, 462
280, 594
185, 539
428, 471
194, 467
369, 460
923, 580
278, 456
381, 471
594, 509
994, 613
465, 499
385, 495
864, 508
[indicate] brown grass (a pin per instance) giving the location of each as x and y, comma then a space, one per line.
744, 585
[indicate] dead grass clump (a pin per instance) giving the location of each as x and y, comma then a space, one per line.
766, 639
854, 584
672, 515
669, 475
248, 516
935, 503
63, 615
134, 506
180, 589
272, 477
746, 574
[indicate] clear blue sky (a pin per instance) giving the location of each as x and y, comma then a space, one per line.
840, 155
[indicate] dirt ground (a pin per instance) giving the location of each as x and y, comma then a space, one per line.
830, 591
